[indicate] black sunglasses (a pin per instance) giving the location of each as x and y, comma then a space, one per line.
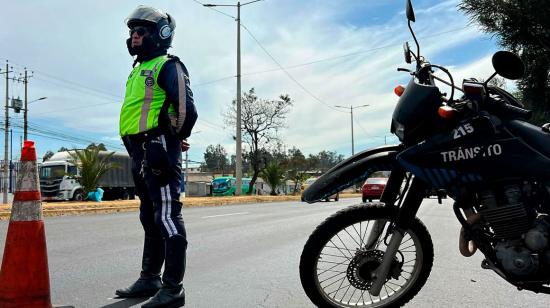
141, 31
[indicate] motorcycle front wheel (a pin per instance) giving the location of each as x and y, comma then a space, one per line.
342, 254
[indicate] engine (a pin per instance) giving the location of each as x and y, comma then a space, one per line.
520, 227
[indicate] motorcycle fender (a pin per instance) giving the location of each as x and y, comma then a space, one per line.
350, 171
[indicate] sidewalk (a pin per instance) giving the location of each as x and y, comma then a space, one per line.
90, 207
10, 198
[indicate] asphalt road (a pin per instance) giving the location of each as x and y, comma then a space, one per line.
247, 256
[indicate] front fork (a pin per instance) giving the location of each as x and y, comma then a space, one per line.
407, 213
389, 197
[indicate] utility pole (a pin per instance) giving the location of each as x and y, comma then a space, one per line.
6, 132
11, 159
26, 110
238, 139
25, 81
351, 115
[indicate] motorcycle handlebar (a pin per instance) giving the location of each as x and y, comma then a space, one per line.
502, 107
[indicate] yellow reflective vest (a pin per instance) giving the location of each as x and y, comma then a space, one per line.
143, 99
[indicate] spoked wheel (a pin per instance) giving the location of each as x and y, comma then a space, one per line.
341, 256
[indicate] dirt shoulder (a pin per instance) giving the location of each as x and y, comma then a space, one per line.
90, 207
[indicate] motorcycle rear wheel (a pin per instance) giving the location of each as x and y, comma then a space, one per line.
335, 265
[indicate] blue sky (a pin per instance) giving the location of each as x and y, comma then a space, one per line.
80, 62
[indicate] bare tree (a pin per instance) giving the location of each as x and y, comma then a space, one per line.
260, 121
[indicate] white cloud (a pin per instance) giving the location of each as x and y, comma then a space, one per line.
87, 47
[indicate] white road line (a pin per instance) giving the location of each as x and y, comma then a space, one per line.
242, 213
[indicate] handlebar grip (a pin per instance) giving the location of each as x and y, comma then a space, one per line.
514, 111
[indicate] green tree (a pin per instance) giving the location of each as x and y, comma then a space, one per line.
274, 175
523, 27
297, 167
260, 121
99, 146
324, 160
92, 166
47, 155
215, 159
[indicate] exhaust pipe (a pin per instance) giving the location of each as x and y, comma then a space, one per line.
468, 248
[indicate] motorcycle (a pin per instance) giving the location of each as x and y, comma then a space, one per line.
480, 150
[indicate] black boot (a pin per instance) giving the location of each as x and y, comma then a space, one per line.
172, 293
149, 281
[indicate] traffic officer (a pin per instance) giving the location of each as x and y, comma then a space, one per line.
157, 116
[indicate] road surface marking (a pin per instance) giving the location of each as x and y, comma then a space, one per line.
242, 213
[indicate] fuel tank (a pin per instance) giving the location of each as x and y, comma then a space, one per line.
477, 150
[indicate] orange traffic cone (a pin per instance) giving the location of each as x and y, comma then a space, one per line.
24, 277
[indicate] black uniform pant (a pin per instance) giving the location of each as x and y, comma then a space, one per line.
157, 173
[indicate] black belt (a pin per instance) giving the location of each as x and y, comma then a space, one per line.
145, 136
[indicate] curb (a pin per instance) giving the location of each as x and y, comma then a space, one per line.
50, 209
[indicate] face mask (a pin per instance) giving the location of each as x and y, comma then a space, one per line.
147, 46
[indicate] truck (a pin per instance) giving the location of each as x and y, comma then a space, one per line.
58, 178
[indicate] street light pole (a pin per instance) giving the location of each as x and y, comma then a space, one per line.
351, 115
25, 120
238, 149
352, 143
238, 139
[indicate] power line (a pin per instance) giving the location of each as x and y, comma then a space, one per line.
63, 81
78, 85
75, 108
212, 124
44, 131
293, 66
202, 4
251, 73
287, 73
55, 137
213, 81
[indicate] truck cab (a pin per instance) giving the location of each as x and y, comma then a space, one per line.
58, 181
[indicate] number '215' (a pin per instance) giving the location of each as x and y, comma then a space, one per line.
463, 130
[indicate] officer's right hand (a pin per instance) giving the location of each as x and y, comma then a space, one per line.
185, 145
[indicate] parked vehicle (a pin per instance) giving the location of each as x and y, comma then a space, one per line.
308, 182
58, 178
480, 149
373, 188
226, 186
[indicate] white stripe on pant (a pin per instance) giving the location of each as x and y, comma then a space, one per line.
167, 203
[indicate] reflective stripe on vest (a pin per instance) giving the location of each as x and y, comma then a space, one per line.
144, 98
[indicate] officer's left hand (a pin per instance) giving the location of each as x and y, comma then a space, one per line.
185, 145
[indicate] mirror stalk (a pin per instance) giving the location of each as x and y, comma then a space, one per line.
489, 79
417, 46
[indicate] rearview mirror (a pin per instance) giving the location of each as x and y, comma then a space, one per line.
410, 11
508, 65
407, 52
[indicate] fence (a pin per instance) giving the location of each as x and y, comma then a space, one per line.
13, 170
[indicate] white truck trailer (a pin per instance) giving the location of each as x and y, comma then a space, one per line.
58, 178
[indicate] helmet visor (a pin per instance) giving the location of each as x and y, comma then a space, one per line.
146, 13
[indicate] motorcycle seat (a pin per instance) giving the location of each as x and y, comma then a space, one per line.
535, 136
